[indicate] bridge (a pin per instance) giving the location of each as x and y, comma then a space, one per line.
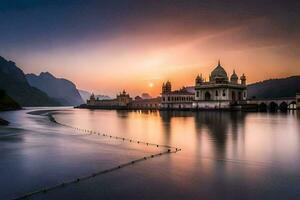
283, 104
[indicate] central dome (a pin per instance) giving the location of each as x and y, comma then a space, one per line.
219, 73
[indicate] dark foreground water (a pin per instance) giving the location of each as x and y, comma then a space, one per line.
224, 155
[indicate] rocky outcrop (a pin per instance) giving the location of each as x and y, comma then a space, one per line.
3, 122
14, 82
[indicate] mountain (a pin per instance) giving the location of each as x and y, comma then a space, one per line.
62, 90
275, 88
7, 103
85, 95
14, 82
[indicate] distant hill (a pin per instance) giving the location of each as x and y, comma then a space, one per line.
7, 103
85, 95
275, 88
62, 90
13, 81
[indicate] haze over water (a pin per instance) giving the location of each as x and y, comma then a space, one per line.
224, 155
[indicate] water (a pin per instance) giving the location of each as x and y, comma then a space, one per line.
224, 155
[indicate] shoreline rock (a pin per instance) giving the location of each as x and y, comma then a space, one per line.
3, 122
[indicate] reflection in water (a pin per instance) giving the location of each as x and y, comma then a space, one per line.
236, 135
218, 124
258, 152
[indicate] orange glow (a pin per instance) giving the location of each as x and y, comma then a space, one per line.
131, 62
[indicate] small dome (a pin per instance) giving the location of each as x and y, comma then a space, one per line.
219, 72
234, 76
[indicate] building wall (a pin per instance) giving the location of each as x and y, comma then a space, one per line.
298, 100
177, 101
211, 105
220, 94
103, 103
178, 105
151, 104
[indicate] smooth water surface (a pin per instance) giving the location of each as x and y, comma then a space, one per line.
224, 155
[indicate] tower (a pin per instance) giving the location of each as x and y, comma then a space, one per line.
166, 87
243, 79
199, 80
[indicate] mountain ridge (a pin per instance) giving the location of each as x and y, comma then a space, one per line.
61, 89
15, 84
274, 88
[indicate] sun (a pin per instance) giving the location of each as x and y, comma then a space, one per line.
151, 85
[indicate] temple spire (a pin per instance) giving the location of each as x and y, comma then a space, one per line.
219, 62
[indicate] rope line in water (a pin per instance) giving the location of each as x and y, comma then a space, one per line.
83, 178
114, 137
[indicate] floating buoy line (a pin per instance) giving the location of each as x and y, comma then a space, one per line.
169, 149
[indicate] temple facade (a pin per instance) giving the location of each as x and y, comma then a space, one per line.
122, 100
178, 99
220, 92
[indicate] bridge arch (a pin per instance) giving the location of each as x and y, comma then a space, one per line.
273, 106
283, 106
262, 107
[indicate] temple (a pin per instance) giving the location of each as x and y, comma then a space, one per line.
220, 92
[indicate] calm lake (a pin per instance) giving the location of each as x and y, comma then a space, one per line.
224, 155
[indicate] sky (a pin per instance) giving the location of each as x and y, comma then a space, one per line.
108, 46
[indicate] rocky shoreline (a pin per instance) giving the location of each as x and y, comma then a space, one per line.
3, 122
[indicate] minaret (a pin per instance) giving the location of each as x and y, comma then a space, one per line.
168, 86
234, 78
243, 79
199, 80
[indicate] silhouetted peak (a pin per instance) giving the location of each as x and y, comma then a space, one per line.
46, 74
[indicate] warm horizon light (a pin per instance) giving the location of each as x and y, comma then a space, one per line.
107, 47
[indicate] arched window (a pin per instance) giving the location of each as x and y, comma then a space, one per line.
207, 96
224, 93
217, 93
233, 96
240, 95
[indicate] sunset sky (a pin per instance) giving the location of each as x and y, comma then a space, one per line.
105, 46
